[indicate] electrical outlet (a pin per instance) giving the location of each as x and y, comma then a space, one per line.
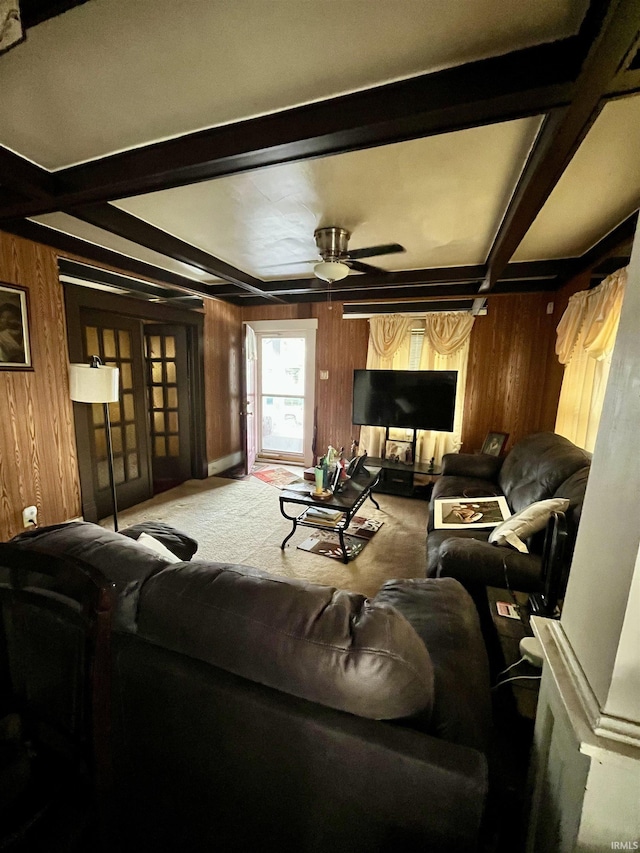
30, 516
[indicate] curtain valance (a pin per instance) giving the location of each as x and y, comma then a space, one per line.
387, 333
592, 316
448, 331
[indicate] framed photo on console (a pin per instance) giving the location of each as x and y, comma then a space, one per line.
455, 513
494, 443
399, 451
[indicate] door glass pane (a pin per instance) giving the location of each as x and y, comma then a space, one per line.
158, 421
283, 365
109, 342
172, 398
91, 334
172, 418
171, 371
282, 423
125, 375
125, 344
174, 445
132, 464
156, 371
158, 399
170, 346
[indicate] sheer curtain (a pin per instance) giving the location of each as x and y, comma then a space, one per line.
445, 346
586, 336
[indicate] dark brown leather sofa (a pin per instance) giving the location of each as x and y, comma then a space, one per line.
251, 712
540, 466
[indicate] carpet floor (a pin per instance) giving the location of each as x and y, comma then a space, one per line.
239, 521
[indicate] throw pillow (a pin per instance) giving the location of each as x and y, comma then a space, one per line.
525, 523
158, 547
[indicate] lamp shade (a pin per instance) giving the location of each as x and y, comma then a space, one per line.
93, 384
331, 270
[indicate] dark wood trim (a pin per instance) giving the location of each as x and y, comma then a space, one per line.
523, 83
620, 238
564, 129
21, 177
155, 312
411, 307
75, 246
119, 222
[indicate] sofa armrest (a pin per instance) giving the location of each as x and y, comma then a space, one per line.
473, 562
479, 465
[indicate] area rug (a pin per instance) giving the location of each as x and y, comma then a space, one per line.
327, 544
277, 476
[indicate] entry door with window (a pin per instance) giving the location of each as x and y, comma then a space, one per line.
286, 372
169, 411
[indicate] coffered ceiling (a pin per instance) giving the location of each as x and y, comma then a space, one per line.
202, 143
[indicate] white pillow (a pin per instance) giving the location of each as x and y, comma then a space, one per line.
525, 523
158, 547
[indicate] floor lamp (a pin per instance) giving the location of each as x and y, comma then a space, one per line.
97, 383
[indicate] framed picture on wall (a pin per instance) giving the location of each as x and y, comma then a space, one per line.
15, 349
494, 443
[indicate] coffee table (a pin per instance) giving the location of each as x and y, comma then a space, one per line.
354, 493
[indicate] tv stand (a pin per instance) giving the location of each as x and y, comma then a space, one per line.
397, 478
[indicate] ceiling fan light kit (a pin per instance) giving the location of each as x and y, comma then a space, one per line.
331, 270
337, 261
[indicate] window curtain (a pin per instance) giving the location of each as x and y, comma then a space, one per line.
445, 347
586, 336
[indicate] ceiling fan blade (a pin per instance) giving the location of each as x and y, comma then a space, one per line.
360, 267
294, 263
370, 251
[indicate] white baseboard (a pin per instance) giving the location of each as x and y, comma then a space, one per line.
224, 463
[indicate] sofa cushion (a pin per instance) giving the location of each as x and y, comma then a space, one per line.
525, 523
537, 466
322, 644
476, 563
445, 618
157, 547
179, 543
436, 538
121, 560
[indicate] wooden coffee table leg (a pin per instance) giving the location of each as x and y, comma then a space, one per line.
374, 501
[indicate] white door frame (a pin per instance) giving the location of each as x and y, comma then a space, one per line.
308, 328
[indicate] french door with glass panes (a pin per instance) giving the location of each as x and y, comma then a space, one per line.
116, 340
169, 411
285, 393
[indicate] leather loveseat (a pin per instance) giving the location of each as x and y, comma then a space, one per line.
539, 467
249, 711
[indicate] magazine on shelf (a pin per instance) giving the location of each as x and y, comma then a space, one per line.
457, 513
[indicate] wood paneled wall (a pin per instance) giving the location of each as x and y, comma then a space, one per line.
38, 462
222, 377
513, 379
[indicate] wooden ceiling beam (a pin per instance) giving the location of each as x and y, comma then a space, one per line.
70, 245
119, 222
519, 84
564, 129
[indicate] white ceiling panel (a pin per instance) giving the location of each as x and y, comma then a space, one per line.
114, 74
99, 237
442, 198
599, 189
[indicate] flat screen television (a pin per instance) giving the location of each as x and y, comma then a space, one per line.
411, 399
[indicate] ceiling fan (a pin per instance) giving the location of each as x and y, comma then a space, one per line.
337, 261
